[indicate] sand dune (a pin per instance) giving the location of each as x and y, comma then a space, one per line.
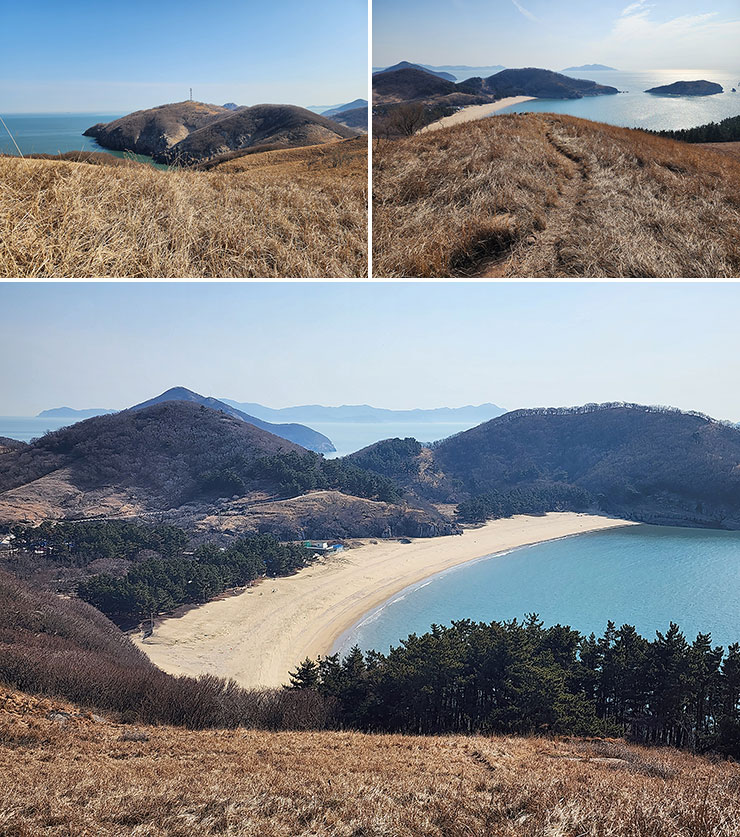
257, 636
472, 112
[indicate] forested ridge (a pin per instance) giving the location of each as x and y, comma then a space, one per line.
654, 464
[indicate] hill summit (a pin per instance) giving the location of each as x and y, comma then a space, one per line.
297, 433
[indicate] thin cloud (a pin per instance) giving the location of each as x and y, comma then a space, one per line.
524, 11
633, 7
639, 37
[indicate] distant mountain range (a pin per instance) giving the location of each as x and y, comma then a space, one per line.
361, 413
337, 109
194, 131
364, 413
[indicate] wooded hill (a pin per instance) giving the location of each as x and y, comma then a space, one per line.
298, 433
410, 84
187, 463
645, 463
190, 132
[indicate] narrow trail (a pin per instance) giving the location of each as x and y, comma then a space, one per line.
542, 247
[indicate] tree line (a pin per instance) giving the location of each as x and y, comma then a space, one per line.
519, 677
79, 543
728, 130
157, 585
536, 499
295, 473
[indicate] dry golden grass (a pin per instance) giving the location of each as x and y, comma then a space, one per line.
546, 195
244, 219
90, 778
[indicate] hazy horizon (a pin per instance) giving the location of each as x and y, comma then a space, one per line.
642, 35
398, 346
99, 59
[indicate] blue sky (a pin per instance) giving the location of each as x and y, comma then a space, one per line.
627, 34
111, 57
399, 345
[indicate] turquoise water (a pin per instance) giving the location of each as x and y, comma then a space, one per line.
637, 109
646, 576
55, 133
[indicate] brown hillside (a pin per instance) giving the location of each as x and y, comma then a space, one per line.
76, 220
407, 84
730, 148
65, 772
280, 125
546, 195
155, 130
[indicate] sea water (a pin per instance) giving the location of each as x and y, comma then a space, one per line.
646, 576
634, 108
55, 133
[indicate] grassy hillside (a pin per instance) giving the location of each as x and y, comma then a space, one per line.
155, 130
282, 125
545, 195
265, 218
89, 775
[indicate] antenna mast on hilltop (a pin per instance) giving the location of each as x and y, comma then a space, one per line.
191, 94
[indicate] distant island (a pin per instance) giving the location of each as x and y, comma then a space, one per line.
590, 68
69, 412
687, 88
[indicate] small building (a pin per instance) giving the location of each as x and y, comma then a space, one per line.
319, 546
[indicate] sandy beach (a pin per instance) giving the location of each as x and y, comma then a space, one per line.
472, 112
258, 635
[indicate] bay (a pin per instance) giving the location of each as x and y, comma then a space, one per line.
634, 108
646, 576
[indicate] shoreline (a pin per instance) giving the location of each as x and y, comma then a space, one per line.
472, 112
258, 635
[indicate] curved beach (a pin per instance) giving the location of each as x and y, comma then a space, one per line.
473, 112
257, 636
